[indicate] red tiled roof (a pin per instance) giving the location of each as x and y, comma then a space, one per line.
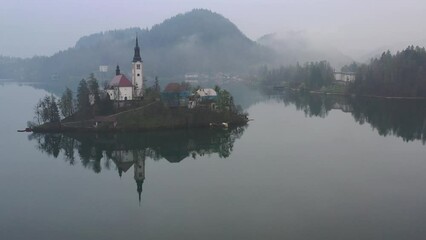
120, 81
173, 87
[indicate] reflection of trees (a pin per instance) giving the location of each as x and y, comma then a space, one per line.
50, 144
126, 150
313, 104
402, 118
120, 148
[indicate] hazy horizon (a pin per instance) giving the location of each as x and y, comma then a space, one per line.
354, 27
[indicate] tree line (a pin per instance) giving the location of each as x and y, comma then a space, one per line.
389, 117
400, 75
310, 76
87, 103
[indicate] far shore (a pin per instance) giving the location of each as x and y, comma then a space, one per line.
352, 95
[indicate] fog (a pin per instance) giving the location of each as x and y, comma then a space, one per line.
357, 28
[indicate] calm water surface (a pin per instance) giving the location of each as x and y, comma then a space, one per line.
305, 168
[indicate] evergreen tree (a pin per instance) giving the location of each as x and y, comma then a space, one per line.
94, 93
106, 106
66, 103
38, 111
83, 101
54, 111
45, 105
157, 85
93, 87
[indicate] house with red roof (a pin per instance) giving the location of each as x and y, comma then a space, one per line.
175, 95
120, 88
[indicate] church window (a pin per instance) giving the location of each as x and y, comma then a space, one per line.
138, 66
138, 74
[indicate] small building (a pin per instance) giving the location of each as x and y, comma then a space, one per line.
206, 94
203, 97
344, 76
120, 88
175, 95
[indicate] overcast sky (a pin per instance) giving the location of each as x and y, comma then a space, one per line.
43, 27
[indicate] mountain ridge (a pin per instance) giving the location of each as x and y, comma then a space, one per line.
196, 41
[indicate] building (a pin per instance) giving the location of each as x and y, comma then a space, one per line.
344, 76
175, 95
120, 88
137, 73
206, 94
203, 97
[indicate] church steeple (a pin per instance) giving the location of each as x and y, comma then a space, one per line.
137, 73
137, 55
117, 71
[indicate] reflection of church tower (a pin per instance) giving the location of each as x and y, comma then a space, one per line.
137, 72
139, 167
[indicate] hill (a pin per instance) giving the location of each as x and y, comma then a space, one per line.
197, 41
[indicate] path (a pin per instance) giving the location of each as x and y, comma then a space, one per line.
110, 116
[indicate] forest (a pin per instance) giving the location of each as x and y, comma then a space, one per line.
392, 75
389, 117
310, 76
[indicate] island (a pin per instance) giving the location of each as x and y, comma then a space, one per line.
128, 105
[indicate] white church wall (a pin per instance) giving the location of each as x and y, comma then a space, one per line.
126, 93
121, 94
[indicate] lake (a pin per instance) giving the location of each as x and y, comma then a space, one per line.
306, 167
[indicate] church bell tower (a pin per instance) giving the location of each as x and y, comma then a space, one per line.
137, 73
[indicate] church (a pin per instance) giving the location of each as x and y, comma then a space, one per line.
120, 88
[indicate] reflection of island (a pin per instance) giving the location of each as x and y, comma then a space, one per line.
402, 118
131, 149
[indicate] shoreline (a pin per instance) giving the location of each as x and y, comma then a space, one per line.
352, 95
153, 116
64, 129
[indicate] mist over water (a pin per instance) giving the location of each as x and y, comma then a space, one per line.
306, 166
323, 168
